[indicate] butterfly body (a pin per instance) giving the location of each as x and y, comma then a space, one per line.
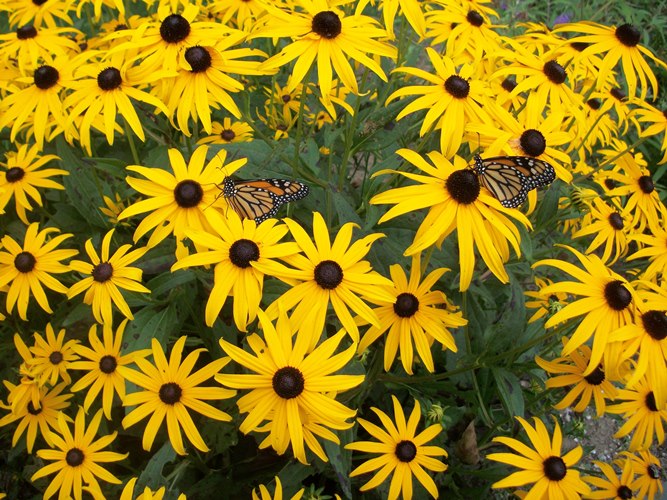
260, 199
510, 178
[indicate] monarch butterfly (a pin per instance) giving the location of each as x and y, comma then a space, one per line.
510, 178
260, 199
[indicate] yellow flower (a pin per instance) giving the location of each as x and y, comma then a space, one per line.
169, 390
456, 202
26, 268
228, 132
402, 451
52, 357
104, 277
76, 458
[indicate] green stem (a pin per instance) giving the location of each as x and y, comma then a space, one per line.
299, 122
130, 141
349, 134
590, 130
626, 150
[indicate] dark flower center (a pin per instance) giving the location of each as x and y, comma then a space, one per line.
457, 87
463, 186
610, 183
509, 84
650, 402
175, 28
533, 142
227, 135
617, 296
406, 305
596, 377
628, 35
109, 79
56, 357
327, 24
108, 364
655, 324
32, 410
406, 451
282, 127
102, 272
594, 104
170, 393
198, 58
46, 77
242, 252
286, 98
579, 46
26, 32
120, 27
288, 382
74, 457
15, 174
654, 471
475, 18
328, 274
664, 113
624, 492
554, 72
25, 262
616, 221
618, 94
646, 184
188, 193
554, 468
39, 2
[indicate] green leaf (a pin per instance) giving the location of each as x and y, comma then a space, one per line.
510, 391
151, 324
152, 474
83, 186
341, 460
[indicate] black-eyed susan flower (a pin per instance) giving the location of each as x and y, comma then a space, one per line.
146, 493
545, 79
617, 44
326, 274
649, 473
608, 226
551, 472
29, 267
569, 371
411, 10
27, 391
655, 249
241, 14
112, 209
184, 199
169, 390
105, 87
546, 304
52, 356
611, 486
39, 100
403, 452
453, 100
204, 82
105, 366
159, 43
228, 132
606, 304
641, 416
23, 12
117, 5
656, 121
76, 457
469, 33
105, 275
456, 201
22, 174
292, 393
264, 493
416, 318
28, 44
286, 100
322, 32
40, 419
234, 248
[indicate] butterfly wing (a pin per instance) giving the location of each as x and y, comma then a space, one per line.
510, 178
260, 199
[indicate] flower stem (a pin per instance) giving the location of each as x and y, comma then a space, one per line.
130, 142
